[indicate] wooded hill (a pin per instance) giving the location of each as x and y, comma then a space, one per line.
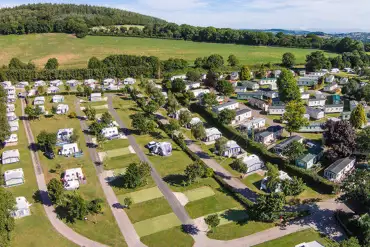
66, 18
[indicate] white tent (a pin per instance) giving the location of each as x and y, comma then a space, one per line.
13, 138
14, 177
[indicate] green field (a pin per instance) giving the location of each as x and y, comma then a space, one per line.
72, 52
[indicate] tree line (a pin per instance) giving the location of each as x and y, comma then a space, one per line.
65, 18
232, 36
119, 66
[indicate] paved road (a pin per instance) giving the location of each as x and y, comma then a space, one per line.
123, 221
59, 225
177, 208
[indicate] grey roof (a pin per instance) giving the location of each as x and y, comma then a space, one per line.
264, 133
226, 104
339, 165
277, 107
334, 105
241, 112
307, 157
288, 141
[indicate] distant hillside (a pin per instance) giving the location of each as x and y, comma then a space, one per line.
67, 18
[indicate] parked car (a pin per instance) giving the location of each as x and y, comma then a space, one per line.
49, 154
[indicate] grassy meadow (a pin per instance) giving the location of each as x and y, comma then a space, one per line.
74, 53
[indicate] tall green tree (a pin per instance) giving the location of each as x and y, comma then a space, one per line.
55, 190
363, 141
209, 99
7, 204
294, 116
356, 188
268, 208
143, 123
52, 63
245, 73
90, 112
225, 88
226, 116
185, 118
212, 221
288, 87
233, 60
358, 117
220, 145
198, 131
317, 61
288, 60
136, 175
76, 206
294, 150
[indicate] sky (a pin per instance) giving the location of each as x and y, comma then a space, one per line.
312, 15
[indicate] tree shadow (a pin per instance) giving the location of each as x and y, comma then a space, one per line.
190, 229
117, 182
175, 179
236, 215
62, 214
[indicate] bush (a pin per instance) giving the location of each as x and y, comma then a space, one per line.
72, 115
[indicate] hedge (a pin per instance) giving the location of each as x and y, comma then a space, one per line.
311, 179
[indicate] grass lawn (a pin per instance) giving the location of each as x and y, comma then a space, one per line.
115, 144
253, 182
173, 237
120, 161
74, 53
297, 238
219, 202
157, 224
34, 230
104, 223
148, 209
237, 230
143, 195
199, 193
117, 152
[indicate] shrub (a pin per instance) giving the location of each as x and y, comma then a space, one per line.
72, 115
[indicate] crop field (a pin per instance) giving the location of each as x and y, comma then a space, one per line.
74, 53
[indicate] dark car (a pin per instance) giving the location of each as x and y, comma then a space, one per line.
49, 154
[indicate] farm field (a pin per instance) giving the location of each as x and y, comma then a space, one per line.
74, 53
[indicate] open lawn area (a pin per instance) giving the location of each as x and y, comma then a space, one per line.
104, 224
173, 237
297, 238
235, 230
34, 230
157, 224
74, 53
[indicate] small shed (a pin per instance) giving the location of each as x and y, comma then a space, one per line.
129, 81
72, 83
22, 208
64, 134
56, 83
14, 177
52, 90
10, 156
212, 134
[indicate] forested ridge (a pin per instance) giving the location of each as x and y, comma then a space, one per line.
65, 18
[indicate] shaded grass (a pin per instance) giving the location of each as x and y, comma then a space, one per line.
173, 237
74, 53
148, 209
253, 182
237, 230
297, 238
